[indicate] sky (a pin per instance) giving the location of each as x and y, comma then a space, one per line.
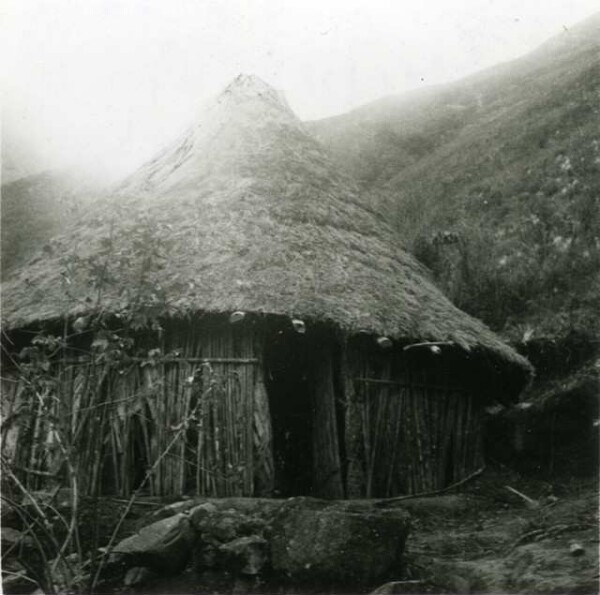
100, 85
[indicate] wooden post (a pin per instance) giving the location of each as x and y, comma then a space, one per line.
327, 471
264, 473
355, 472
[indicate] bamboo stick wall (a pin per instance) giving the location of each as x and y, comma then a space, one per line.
405, 426
207, 409
408, 430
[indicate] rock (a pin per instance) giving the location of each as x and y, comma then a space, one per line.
164, 545
165, 512
174, 508
137, 576
200, 513
15, 579
9, 517
17, 583
246, 555
228, 540
14, 540
261, 507
222, 526
319, 540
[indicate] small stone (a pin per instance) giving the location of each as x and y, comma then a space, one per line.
222, 526
17, 581
164, 545
205, 557
222, 530
247, 555
14, 539
201, 512
137, 575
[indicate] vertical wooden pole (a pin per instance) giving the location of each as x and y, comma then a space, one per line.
428, 432
355, 476
327, 471
264, 466
248, 406
441, 408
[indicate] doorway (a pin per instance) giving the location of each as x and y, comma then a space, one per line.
288, 384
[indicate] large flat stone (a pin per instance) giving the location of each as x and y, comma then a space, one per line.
317, 540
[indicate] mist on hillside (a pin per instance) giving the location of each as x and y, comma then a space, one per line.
100, 87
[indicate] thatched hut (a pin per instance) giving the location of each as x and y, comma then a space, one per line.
302, 350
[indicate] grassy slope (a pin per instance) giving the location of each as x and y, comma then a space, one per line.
36, 208
494, 182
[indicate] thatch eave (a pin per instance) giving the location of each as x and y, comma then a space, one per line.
498, 355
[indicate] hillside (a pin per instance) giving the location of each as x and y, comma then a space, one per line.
494, 183
20, 158
37, 207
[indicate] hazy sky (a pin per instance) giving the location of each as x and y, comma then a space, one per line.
102, 83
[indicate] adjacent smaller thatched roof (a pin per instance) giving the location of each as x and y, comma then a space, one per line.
256, 218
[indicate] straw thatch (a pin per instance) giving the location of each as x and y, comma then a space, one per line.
257, 219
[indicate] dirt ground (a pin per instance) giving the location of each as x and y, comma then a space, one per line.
489, 540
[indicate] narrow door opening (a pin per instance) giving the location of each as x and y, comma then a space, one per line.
289, 390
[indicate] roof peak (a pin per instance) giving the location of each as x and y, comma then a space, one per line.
252, 86
244, 80
249, 79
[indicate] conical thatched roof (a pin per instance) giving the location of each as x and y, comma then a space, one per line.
257, 219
